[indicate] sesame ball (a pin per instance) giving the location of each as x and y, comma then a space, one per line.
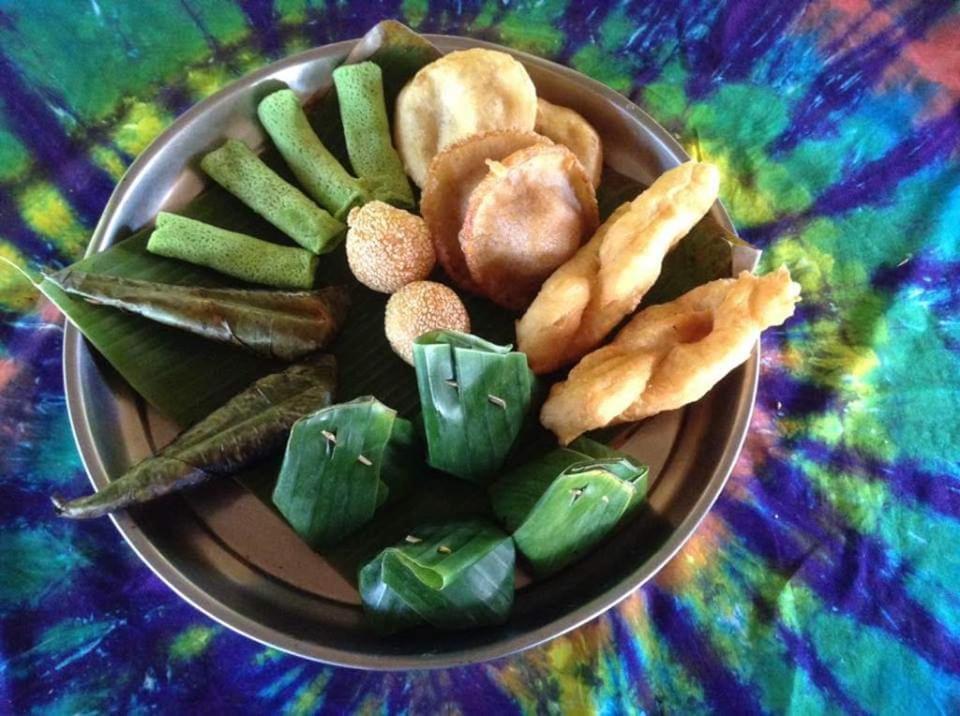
387, 248
418, 308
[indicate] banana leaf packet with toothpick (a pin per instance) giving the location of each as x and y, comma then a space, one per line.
342, 464
474, 396
250, 426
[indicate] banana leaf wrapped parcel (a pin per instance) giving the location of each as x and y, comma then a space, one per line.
247, 428
341, 465
561, 504
284, 325
451, 576
474, 396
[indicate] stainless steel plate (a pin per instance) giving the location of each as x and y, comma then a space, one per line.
231, 557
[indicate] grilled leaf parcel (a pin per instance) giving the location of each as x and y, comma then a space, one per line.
562, 504
275, 324
449, 576
474, 396
341, 465
249, 427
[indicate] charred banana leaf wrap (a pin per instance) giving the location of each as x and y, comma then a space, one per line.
249, 427
274, 324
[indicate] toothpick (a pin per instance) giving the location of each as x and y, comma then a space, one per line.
498, 401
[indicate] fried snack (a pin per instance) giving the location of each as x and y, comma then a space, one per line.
566, 127
387, 248
604, 282
528, 216
421, 307
670, 355
460, 94
453, 175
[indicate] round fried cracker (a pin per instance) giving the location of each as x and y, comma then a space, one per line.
452, 177
566, 127
460, 94
526, 218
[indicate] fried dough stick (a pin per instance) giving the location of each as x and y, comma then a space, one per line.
670, 355
588, 296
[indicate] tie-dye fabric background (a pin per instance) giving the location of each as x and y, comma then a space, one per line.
824, 581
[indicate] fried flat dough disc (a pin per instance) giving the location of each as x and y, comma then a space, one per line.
453, 175
526, 218
460, 94
566, 127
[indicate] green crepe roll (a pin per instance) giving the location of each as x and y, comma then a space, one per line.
234, 254
317, 170
241, 172
367, 131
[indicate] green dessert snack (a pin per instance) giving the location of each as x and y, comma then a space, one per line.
237, 255
247, 428
341, 465
274, 324
474, 396
241, 172
317, 170
561, 504
367, 133
450, 576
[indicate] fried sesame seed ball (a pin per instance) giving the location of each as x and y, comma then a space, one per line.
420, 307
387, 248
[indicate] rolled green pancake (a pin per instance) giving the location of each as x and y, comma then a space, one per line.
317, 170
366, 128
241, 172
234, 254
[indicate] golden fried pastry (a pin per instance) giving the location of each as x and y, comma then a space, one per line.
418, 308
528, 216
387, 248
566, 127
604, 282
670, 355
454, 174
460, 94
